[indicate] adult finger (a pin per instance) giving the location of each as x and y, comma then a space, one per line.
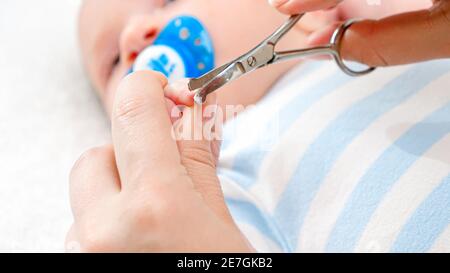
93, 178
72, 245
199, 149
141, 128
400, 39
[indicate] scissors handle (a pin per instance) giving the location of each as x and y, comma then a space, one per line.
336, 41
333, 49
282, 56
265, 54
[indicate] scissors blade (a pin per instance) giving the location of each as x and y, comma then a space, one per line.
198, 83
227, 75
256, 58
260, 56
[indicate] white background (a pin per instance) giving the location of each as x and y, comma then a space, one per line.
49, 115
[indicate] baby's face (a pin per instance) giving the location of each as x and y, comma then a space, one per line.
114, 32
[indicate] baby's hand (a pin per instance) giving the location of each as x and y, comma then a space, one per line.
179, 93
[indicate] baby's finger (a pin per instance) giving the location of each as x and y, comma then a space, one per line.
301, 6
179, 93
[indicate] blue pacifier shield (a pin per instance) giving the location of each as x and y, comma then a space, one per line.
183, 49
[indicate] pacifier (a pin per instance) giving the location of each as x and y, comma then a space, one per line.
183, 49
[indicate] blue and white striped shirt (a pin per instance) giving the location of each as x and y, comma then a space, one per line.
330, 163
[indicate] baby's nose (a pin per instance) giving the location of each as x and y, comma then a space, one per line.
137, 35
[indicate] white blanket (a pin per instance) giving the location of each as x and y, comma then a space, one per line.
48, 117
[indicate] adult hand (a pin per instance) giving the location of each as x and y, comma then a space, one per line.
148, 192
400, 39
301, 6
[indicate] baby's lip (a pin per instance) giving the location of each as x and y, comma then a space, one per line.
150, 35
132, 59
133, 56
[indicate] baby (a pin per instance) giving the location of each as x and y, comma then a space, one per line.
114, 32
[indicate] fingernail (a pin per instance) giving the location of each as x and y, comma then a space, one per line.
198, 99
277, 3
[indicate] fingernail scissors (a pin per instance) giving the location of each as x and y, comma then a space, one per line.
264, 54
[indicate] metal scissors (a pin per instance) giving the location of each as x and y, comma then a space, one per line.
264, 54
